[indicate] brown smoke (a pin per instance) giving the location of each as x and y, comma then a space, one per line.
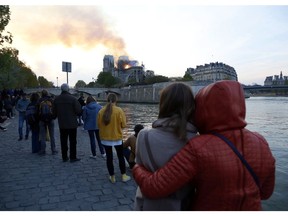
81, 26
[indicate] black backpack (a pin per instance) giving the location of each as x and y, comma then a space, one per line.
45, 111
31, 114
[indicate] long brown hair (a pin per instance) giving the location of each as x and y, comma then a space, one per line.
90, 99
111, 98
177, 102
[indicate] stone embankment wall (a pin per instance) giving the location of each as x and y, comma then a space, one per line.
144, 94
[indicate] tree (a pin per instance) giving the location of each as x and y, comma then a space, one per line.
13, 72
187, 77
156, 79
4, 20
106, 79
44, 83
9, 65
80, 84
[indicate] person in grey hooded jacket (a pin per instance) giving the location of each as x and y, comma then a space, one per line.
157, 145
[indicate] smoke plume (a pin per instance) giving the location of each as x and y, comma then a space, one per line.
81, 26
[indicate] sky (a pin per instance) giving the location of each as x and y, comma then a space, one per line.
166, 36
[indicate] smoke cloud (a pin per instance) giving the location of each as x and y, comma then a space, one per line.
82, 26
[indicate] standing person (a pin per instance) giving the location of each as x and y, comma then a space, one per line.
89, 115
21, 107
169, 133
2, 120
46, 122
223, 182
32, 118
111, 121
67, 108
8, 106
130, 142
81, 100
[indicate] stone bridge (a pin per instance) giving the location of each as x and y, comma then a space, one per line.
76, 91
132, 94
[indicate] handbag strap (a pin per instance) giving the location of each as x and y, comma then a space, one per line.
150, 152
240, 157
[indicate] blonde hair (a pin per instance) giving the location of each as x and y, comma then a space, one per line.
111, 98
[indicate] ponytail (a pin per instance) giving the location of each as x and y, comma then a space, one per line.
112, 98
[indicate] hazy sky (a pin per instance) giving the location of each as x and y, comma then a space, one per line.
168, 37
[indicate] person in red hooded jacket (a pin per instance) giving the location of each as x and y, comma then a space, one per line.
221, 180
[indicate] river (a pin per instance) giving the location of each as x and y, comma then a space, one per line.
266, 115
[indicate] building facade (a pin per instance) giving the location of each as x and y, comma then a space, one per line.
126, 70
276, 80
212, 72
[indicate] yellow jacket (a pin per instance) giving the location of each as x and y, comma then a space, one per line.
112, 131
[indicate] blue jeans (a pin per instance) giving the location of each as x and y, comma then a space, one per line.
21, 121
36, 144
43, 131
93, 143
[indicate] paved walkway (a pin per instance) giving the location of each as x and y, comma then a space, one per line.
29, 182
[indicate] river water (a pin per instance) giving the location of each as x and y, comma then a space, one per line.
266, 115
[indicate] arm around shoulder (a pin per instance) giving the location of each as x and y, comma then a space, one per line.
175, 174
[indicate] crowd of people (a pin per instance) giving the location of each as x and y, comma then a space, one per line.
38, 112
8, 101
198, 155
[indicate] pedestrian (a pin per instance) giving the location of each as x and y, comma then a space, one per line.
21, 107
46, 122
168, 135
8, 106
32, 118
67, 108
2, 124
111, 121
129, 146
81, 100
231, 167
89, 115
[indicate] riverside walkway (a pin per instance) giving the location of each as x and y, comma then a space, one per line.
30, 182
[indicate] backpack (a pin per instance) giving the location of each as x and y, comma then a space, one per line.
31, 114
45, 111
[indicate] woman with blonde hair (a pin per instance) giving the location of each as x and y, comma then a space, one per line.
111, 121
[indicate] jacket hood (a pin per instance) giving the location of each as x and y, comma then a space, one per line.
92, 105
220, 106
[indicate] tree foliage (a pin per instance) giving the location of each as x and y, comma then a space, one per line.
13, 72
4, 20
187, 77
106, 79
44, 83
156, 79
80, 84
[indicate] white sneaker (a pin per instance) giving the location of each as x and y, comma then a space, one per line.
125, 178
112, 179
93, 157
103, 155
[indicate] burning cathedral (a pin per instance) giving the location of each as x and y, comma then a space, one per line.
125, 69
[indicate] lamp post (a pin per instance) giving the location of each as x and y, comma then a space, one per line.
94, 81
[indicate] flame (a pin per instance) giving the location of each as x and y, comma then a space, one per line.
127, 66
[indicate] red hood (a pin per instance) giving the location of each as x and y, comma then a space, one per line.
220, 106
